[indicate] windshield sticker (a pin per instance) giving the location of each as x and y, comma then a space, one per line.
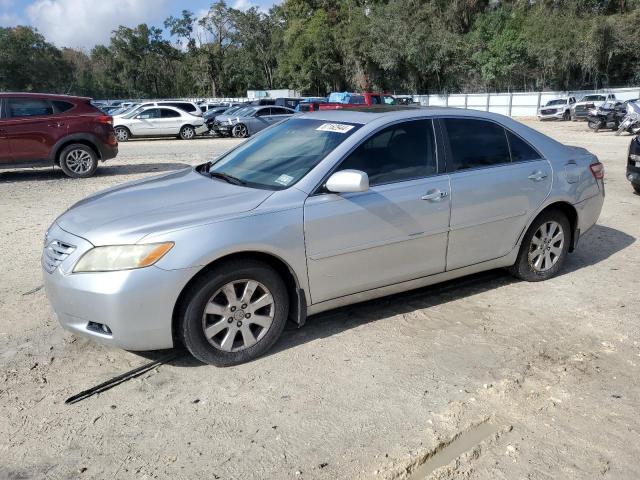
334, 127
284, 179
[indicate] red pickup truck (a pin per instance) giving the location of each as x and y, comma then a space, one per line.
338, 101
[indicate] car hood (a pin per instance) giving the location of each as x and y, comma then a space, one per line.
129, 212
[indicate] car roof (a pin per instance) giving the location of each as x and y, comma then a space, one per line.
370, 114
52, 96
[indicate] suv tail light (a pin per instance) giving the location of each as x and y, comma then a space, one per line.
597, 169
105, 119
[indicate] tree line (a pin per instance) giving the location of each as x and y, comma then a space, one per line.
318, 46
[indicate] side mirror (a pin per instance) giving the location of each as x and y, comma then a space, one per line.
348, 181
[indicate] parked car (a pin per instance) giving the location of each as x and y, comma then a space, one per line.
249, 120
188, 107
211, 115
557, 109
341, 100
158, 122
322, 210
633, 164
41, 130
310, 104
580, 109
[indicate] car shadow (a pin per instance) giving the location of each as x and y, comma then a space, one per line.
43, 174
597, 245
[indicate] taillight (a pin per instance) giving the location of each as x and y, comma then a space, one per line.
104, 119
597, 169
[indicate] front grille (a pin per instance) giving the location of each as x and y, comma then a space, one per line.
549, 111
54, 254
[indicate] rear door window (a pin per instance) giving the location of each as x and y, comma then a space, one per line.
61, 106
28, 107
521, 151
167, 113
475, 143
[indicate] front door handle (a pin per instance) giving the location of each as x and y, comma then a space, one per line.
434, 195
57, 124
537, 176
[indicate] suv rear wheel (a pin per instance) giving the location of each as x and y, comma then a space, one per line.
78, 161
234, 313
187, 132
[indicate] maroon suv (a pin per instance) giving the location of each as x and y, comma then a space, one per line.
40, 129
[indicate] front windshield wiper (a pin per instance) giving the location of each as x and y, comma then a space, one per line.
228, 178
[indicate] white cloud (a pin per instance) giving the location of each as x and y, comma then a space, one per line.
9, 20
242, 4
85, 23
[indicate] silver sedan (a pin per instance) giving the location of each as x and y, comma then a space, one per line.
321, 210
249, 120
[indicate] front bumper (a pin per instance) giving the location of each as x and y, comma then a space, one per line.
135, 305
559, 115
633, 173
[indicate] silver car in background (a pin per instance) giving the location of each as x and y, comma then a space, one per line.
158, 122
251, 119
321, 210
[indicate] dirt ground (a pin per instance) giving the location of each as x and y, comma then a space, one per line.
481, 378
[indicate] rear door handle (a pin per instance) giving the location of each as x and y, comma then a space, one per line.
56, 124
537, 176
434, 195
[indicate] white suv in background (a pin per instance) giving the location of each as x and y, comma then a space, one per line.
156, 122
559, 108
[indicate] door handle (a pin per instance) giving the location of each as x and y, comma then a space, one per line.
434, 195
537, 176
57, 124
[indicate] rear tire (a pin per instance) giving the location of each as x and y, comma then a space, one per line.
78, 161
544, 247
187, 132
237, 328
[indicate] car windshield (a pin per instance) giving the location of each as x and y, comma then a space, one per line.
244, 112
278, 157
556, 102
592, 98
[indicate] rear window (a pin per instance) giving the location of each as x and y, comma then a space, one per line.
61, 106
28, 107
521, 151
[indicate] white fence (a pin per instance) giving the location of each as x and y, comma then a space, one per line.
521, 104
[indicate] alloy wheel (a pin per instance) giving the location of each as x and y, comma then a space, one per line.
79, 161
238, 315
240, 131
546, 246
187, 133
121, 135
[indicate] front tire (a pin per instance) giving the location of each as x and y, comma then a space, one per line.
234, 313
544, 247
566, 116
636, 187
122, 134
78, 161
240, 130
187, 132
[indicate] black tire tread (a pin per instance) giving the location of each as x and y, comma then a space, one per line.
190, 313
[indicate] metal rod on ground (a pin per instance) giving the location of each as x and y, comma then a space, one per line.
136, 372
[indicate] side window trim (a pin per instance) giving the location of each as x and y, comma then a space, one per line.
318, 190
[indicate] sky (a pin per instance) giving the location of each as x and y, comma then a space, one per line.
82, 24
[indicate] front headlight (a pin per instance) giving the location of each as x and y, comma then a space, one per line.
121, 257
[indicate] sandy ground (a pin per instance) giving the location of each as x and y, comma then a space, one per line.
482, 378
